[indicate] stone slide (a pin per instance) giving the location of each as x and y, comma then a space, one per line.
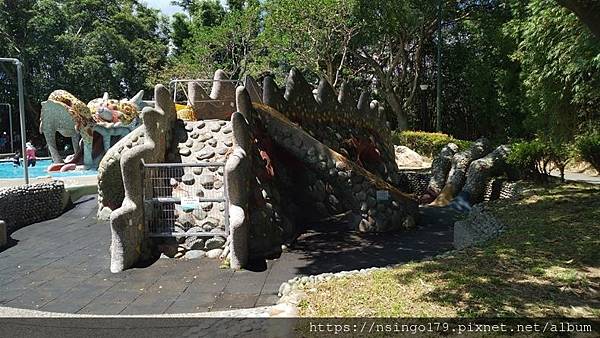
291, 158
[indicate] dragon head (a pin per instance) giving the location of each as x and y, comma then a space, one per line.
110, 110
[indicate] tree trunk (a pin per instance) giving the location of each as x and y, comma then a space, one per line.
396, 106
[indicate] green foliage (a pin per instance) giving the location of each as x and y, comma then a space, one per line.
313, 35
588, 148
180, 31
427, 144
534, 159
228, 40
560, 62
482, 91
208, 13
528, 157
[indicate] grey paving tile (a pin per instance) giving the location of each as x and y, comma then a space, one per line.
111, 302
35, 298
189, 302
79, 296
267, 300
62, 265
228, 301
157, 297
246, 282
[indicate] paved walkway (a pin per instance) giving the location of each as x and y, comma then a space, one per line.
577, 177
62, 266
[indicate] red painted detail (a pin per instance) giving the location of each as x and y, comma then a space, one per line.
68, 167
364, 150
265, 148
55, 167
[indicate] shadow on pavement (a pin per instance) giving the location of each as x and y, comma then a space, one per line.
334, 249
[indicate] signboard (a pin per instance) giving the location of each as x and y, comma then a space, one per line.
383, 195
189, 203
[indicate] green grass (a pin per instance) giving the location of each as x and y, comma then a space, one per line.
546, 264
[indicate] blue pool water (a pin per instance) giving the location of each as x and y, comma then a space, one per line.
7, 170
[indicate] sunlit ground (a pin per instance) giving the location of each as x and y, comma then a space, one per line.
546, 264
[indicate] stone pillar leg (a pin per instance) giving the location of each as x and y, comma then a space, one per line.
88, 160
51, 142
106, 139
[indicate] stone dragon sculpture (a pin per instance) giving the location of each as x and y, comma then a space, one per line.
66, 114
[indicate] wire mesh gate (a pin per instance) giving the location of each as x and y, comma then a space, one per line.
185, 199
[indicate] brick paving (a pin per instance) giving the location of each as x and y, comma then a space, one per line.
61, 265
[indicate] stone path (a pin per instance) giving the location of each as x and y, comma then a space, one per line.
62, 266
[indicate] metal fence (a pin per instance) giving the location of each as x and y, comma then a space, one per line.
185, 199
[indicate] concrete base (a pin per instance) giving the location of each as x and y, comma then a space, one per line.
3, 234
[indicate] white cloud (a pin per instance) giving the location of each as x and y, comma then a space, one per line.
164, 5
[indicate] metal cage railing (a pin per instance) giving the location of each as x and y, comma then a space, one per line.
176, 206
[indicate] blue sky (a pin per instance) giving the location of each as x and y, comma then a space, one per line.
166, 7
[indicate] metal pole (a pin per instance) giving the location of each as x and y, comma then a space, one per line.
12, 144
22, 113
439, 71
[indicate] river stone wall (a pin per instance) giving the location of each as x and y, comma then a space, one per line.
218, 105
375, 204
495, 188
479, 226
414, 182
499, 188
349, 123
207, 141
32, 203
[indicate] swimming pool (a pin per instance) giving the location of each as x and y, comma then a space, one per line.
7, 170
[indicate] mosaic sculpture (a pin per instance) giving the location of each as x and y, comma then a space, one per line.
95, 124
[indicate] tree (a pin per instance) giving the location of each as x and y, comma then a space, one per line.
393, 42
560, 62
209, 13
313, 35
588, 11
180, 31
231, 45
482, 92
